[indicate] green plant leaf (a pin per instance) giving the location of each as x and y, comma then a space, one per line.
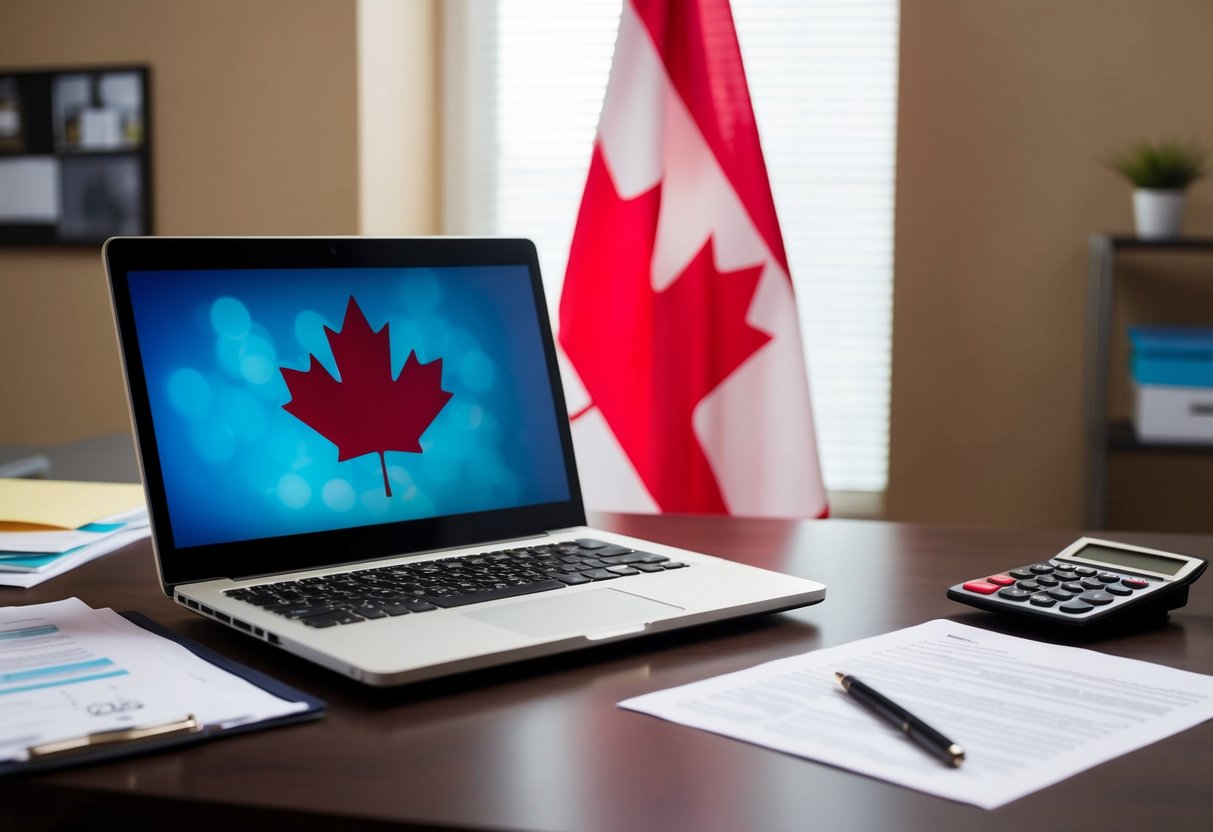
1165, 164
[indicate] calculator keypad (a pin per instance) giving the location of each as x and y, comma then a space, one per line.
1059, 587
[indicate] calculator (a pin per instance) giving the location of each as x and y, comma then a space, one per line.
1089, 582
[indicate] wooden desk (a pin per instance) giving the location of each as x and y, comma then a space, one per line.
542, 746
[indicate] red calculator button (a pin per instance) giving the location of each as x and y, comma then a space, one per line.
1135, 583
1001, 580
984, 587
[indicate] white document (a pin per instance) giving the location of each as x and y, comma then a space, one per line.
75, 557
69, 671
133, 526
48, 542
57, 541
996, 696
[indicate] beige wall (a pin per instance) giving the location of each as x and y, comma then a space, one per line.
255, 131
1005, 109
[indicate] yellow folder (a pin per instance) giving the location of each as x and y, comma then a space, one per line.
39, 505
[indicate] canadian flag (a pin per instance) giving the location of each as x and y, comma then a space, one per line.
684, 370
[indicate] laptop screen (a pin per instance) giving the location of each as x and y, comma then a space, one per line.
347, 405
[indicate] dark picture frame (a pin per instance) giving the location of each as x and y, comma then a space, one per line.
75, 155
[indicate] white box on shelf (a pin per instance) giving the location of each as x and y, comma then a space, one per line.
1172, 414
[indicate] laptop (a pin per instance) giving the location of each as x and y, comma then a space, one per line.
357, 450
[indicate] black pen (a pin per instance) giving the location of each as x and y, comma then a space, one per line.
910, 725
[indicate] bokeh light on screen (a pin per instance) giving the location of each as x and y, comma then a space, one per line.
229, 318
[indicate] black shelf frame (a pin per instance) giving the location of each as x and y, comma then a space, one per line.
1123, 438
1103, 435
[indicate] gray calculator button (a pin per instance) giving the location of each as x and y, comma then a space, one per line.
1073, 586
1096, 597
1047, 580
1013, 594
1091, 583
1075, 607
1108, 577
1061, 594
1118, 589
1040, 599
1041, 568
1029, 586
1085, 571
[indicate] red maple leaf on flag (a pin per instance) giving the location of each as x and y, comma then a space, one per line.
668, 350
367, 411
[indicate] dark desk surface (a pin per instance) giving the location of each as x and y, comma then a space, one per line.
542, 746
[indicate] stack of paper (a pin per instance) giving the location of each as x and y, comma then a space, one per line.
50, 526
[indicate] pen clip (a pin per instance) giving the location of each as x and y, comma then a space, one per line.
188, 725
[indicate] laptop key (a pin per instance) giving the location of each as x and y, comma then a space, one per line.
599, 574
611, 550
648, 567
302, 610
630, 557
335, 617
623, 570
574, 578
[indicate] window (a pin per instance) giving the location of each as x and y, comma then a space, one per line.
525, 84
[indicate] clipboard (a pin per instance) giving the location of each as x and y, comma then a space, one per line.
115, 745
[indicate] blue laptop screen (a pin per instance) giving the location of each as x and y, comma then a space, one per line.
290, 401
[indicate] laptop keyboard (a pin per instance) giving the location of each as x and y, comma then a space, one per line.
367, 594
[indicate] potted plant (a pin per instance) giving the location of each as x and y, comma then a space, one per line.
1160, 173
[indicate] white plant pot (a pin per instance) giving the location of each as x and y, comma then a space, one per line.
1159, 214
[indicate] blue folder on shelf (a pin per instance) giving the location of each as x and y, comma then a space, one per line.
175, 739
1175, 356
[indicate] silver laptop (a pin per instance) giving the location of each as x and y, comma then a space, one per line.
357, 450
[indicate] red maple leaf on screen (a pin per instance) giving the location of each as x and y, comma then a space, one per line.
367, 411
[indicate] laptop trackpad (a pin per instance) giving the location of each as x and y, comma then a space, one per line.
598, 613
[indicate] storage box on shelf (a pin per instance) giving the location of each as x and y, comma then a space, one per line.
1171, 370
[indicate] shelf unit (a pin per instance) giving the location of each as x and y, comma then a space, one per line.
75, 155
1103, 435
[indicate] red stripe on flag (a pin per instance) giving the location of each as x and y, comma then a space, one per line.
698, 46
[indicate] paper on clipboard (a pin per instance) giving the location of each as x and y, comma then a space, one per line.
68, 671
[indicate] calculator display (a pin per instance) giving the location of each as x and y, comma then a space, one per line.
1130, 560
